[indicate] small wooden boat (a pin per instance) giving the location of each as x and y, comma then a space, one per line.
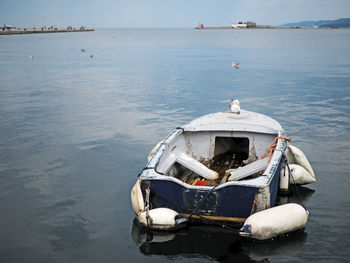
212, 170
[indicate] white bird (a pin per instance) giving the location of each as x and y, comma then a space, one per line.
235, 106
30, 58
235, 65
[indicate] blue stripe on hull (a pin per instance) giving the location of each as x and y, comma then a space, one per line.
233, 201
230, 201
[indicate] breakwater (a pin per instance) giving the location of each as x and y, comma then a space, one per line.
40, 30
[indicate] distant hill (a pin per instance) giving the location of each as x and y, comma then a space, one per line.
342, 22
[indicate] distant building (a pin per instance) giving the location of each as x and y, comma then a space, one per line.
248, 24
239, 25
8, 27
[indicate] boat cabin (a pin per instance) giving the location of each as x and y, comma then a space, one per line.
217, 148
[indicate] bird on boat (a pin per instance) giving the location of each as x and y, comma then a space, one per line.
235, 65
235, 106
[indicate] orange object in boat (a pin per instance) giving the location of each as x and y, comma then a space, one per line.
201, 183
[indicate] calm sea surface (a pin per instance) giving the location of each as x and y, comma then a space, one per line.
75, 131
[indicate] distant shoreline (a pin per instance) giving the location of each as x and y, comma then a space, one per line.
40, 31
267, 27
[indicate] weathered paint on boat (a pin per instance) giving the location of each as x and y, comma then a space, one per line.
231, 201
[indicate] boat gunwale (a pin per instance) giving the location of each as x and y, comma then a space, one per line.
152, 174
150, 171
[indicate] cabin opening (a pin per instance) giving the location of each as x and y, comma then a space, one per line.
229, 153
236, 147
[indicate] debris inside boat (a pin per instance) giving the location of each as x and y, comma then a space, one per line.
223, 164
220, 168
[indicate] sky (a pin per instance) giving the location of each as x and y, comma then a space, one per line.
166, 13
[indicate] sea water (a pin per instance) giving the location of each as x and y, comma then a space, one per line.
75, 131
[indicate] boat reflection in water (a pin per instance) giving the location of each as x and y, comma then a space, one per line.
286, 246
216, 243
199, 241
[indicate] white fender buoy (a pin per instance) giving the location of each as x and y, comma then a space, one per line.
300, 175
274, 222
289, 155
284, 180
296, 156
159, 218
137, 202
153, 151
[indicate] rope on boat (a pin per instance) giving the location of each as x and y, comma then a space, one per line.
273, 146
295, 186
148, 218
193, 212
